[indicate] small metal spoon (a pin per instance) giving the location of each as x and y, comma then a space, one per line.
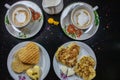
95, 8
16, 29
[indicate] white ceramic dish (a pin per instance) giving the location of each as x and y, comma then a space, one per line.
44, 62
26, 32
65, 20
85, 51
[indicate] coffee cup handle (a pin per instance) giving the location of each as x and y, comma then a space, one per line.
95, 8
7, 6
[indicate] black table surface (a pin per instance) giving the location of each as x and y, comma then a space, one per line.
105, 43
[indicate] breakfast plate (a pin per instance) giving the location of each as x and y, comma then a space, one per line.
85, 50
34, 26
44, 62
65, 20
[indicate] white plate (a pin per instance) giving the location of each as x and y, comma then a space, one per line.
84, 51
44, 62
65, 20
36, 26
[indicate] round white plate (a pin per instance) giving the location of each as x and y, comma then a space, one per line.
65, 20
36, 26
85, 50
44, 62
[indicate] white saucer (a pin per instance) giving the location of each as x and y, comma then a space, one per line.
26, 33
85, 50
44, 62
65, 20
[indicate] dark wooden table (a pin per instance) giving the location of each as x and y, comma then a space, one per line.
105, 43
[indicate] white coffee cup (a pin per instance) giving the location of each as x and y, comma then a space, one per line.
19, 15
82, 16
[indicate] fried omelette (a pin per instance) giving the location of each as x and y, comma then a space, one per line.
68, 55
85, 68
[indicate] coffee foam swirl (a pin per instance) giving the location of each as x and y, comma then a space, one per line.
20, 16
83, 18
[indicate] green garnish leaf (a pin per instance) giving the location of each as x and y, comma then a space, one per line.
6, 20
97, 21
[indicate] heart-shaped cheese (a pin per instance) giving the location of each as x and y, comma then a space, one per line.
30, 54
34, 73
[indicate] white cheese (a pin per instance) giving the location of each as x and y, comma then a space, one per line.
64, 69
70, 72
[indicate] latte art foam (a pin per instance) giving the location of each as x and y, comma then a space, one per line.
20, 16
83, 18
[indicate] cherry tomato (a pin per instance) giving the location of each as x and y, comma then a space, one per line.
36, 15
78, 32
32, 11
71, 29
